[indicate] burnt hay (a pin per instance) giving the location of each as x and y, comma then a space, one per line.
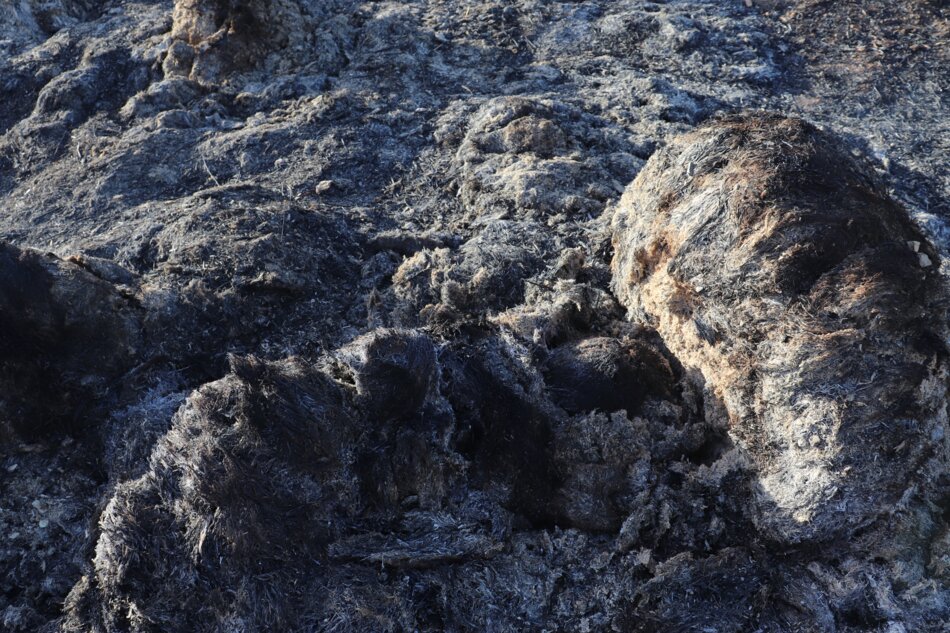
453, 315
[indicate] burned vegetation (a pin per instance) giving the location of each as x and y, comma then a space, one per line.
465, 316
811, 307
788, 325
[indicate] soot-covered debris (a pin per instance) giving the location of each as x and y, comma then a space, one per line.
455, 315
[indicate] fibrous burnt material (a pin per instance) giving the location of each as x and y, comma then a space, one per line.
604, 373
282, 487
519, 158
329, 338
809, 307
213, 37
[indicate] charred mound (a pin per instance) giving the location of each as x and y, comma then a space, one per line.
810, 308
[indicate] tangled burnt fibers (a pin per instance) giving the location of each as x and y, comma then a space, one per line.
453, 315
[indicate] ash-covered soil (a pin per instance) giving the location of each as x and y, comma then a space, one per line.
453, 315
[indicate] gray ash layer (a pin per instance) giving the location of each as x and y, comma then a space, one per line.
451, 315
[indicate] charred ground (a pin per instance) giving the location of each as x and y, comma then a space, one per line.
458, 315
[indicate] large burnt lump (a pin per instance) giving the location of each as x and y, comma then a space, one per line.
809, 307
282, 493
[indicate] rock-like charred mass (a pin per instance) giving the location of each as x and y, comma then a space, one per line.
809, 306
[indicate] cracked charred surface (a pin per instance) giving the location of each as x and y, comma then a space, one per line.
329, 340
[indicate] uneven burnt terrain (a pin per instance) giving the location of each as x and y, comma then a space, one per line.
453, 315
